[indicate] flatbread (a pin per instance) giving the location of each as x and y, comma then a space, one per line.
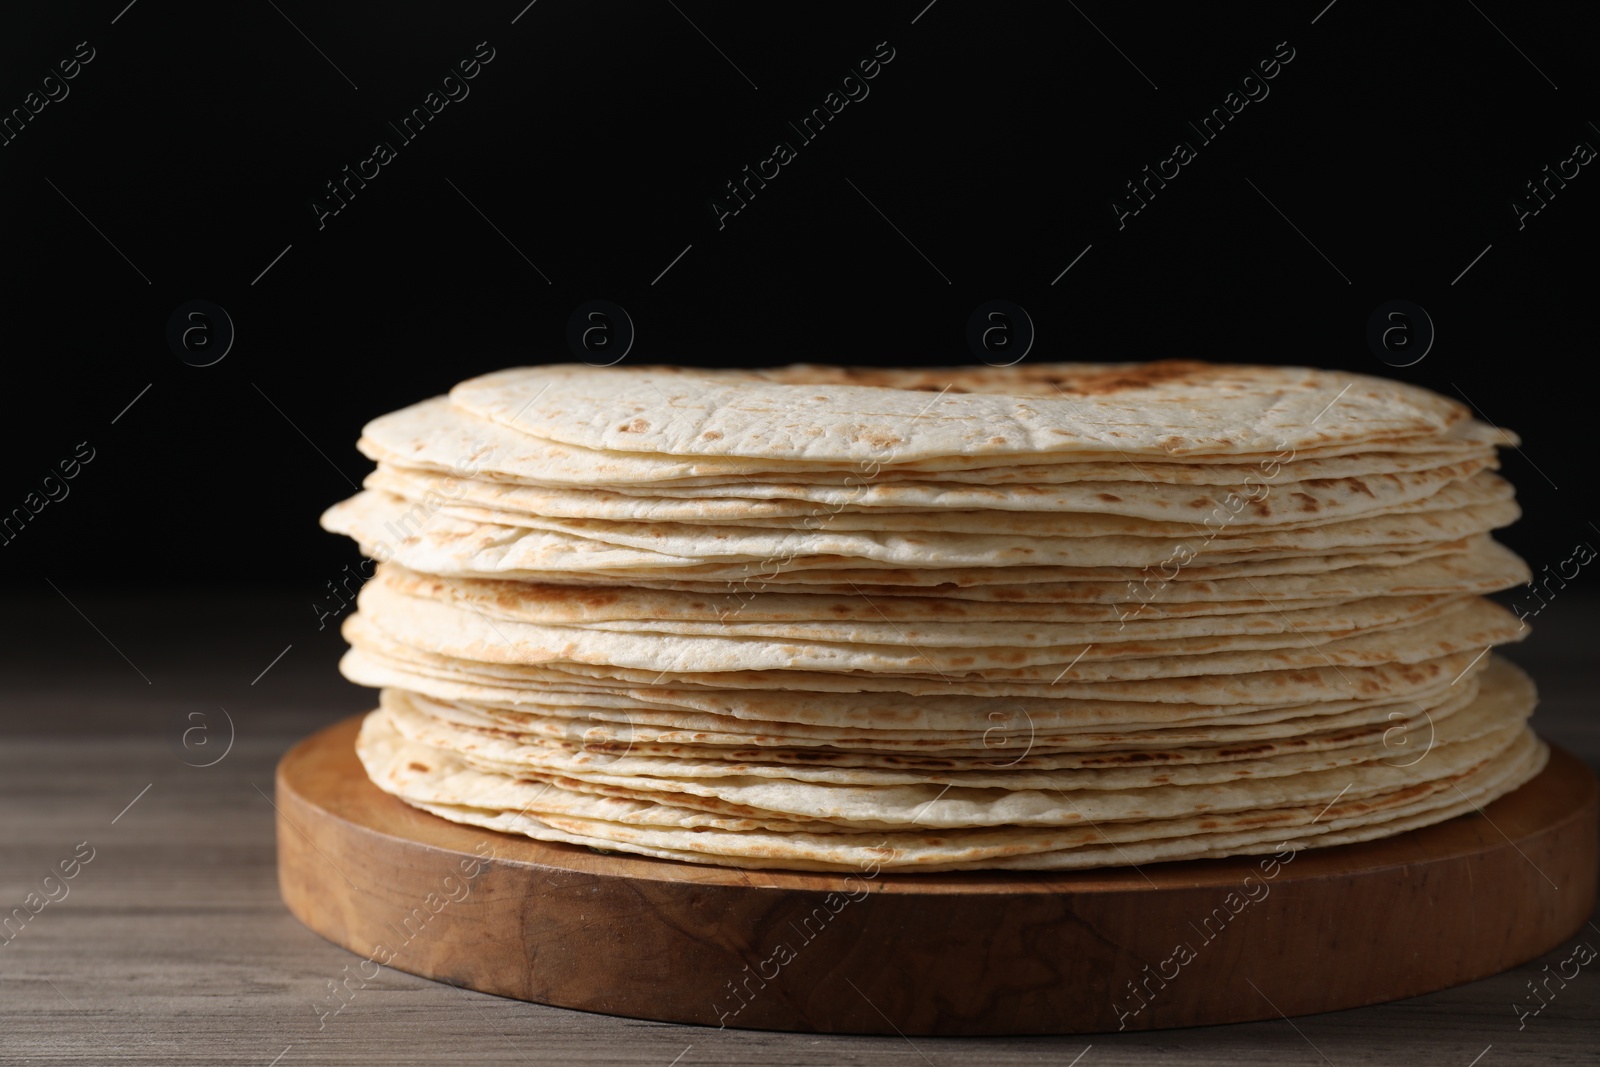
1047, 617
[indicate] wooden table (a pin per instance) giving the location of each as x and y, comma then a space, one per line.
170, 945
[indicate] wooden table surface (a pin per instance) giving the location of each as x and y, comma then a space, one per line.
170, 944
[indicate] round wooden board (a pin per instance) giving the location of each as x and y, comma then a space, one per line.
1171, 944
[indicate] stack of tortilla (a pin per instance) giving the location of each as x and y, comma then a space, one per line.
1058, 616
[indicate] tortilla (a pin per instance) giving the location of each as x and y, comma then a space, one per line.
1042, 617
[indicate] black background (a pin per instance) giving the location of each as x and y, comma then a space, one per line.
1391, 149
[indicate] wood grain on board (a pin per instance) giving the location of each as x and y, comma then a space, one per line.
1165, 945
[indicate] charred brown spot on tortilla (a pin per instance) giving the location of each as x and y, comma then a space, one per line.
1139, 376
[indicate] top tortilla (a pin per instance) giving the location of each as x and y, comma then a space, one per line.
818, 415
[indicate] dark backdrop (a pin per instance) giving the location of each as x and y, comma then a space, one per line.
183, 159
